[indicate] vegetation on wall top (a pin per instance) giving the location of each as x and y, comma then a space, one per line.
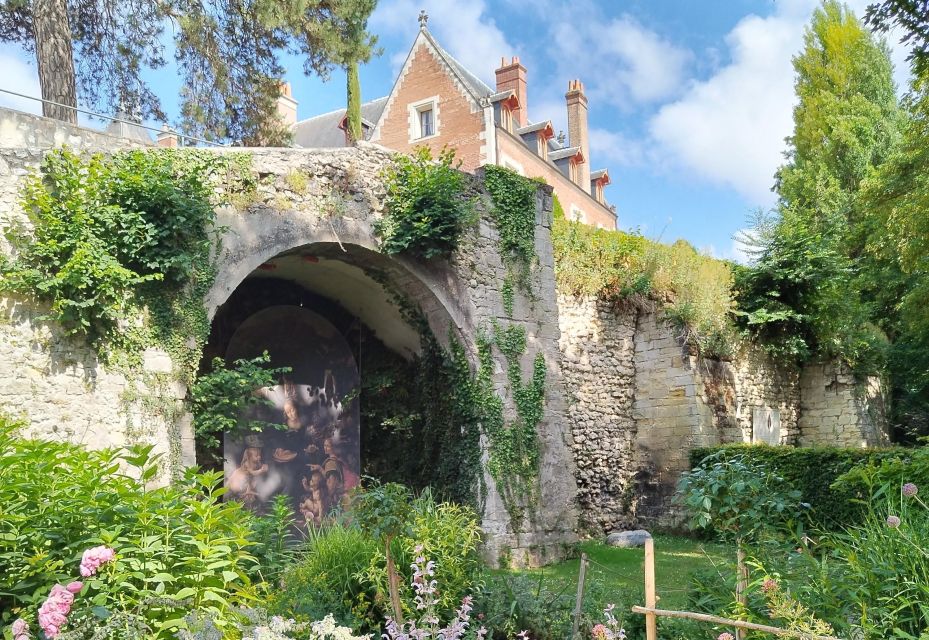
427, 209
694, 290
113, 236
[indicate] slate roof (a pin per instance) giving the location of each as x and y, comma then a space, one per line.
322, 131
472, 83
566, 152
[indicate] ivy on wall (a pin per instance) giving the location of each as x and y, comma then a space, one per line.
119, 246
427, 209
514, 210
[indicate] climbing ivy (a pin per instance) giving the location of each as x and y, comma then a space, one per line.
514, 210
514, 453
119, 246
427, 209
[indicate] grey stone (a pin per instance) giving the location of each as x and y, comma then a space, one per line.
628, 539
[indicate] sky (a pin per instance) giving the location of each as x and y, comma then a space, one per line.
690, 102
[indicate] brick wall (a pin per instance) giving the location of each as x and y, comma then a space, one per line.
459, 121
512, 149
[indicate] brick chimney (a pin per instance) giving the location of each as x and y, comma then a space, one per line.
287, 106
512, 77
167, 137
577, 129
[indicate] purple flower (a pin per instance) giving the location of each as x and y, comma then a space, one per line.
910, 489
893, 522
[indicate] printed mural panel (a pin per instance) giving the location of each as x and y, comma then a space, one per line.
315, 458
766, 425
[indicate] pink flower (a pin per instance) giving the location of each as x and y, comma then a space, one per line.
53, 614
910, 489
893, 522
599, 632
725, 635
769, 585
93, 558
75, 587
20, 630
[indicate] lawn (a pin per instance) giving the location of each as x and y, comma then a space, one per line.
676, 559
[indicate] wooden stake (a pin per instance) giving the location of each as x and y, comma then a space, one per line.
705, 617
651, 598
741, 585
578, 605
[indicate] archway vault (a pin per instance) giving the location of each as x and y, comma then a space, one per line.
322, 238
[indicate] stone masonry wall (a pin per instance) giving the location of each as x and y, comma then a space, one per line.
65, 393
839, 408
597, 343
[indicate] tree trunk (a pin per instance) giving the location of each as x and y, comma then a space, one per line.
55, 59
393, 585
353, 132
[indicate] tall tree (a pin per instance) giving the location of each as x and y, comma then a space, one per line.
803, 293
353, 109
228, 53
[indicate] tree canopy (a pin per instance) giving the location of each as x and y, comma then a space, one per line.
228, 54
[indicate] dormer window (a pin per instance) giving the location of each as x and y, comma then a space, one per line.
424, 119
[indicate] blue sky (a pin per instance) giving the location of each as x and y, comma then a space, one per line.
689, 101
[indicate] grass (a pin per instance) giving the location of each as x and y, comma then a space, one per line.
676, 559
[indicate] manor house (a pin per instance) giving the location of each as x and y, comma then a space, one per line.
437, 102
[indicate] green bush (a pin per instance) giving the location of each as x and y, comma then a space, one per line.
815, 472
342, 569
328, 577
427, 210
179, 548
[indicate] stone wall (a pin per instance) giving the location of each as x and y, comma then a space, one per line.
839, 408
67, 393
597, 343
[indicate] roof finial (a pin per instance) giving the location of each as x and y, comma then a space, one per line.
423, 19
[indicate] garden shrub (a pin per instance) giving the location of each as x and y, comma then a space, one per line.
177, 548
342, 568
328, 577
817, 473
426, 206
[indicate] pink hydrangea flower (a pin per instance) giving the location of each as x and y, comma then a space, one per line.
893, 522
53, 614
94, 558
20, 630
725, 635
910, 489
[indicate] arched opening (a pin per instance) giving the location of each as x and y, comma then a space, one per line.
374, 382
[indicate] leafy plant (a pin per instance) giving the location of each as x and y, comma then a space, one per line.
178, 548
741, 501
220, 399
514, 212
427, 210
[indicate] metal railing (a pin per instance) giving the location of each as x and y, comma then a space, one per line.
111, 118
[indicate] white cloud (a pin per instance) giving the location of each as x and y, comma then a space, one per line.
20, 78
624, 62
730, 128
615, 148
466, 30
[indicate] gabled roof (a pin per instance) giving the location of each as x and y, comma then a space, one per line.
471, 82
323, 131
600, 174
537, 126
567, 152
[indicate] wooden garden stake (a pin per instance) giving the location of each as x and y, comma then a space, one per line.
651, 598
579, 603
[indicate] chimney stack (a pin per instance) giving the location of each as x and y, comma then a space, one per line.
512, 76
577, 129
167, 137
287, 106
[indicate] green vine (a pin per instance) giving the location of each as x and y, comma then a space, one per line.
514, 454
508, 294
120, 247
514, 211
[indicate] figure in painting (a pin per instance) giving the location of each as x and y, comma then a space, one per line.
243, 481
315, 504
